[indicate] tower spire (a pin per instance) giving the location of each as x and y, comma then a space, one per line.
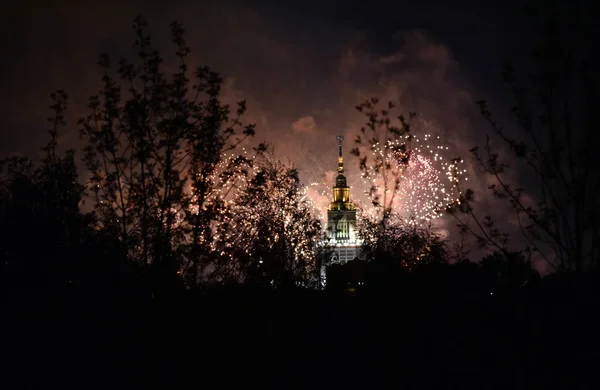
340, 138
341, 218
341, 191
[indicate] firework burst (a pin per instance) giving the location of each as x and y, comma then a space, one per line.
260, 208
317, 195
416, 180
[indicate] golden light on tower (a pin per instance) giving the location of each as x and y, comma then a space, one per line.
341, 191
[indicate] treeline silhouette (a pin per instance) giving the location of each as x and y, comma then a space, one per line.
162, 283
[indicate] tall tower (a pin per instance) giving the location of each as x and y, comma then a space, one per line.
341, 216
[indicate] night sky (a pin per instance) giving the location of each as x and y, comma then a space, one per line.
297, 50
302, 67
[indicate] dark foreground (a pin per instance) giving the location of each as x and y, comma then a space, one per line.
543, 336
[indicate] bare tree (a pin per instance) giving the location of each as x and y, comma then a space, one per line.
554, 150
269, 232
381, 137
153, 143
401, 243
41, 202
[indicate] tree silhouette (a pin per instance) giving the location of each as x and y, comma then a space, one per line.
390, 135
41, 204
554, 150
19, 199
387, 237
153, 143
272, 232
513, 271
404, 244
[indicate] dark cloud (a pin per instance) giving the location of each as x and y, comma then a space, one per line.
304, 125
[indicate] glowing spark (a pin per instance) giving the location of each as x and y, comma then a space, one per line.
426, 179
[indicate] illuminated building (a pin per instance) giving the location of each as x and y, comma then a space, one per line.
342, 234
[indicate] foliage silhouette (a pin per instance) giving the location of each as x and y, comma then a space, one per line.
553, 150
382, 130
41, 204
149, 139
271, 235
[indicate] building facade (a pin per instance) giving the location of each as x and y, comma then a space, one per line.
342, 233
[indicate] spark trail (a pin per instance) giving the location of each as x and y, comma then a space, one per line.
426, 178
